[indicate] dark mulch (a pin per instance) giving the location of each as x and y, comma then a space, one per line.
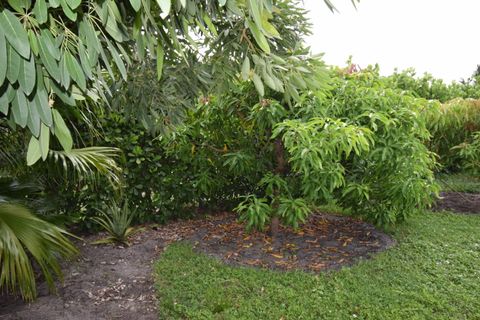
325, 242
460, 202
112, 282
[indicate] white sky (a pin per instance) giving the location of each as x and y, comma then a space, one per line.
441, 37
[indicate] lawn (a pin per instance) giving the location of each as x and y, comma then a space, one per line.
432, 273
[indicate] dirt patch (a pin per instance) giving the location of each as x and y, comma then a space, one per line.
105, 282
111, 282
460, 202
325, 242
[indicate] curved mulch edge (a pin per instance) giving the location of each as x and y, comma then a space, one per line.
325, 242
458, 202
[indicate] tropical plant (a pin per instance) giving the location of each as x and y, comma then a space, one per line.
469, 154
117, 222
59, 56
23, 235
452, 124
357, 142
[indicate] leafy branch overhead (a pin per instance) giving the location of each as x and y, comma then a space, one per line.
66, 52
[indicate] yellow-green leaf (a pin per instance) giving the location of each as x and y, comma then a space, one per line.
61, 131
33, 151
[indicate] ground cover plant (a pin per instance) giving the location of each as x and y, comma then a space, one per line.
430, 274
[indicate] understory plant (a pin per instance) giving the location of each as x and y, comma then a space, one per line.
116, 221
453, 126
25, 237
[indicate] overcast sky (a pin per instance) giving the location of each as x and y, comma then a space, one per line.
441, 37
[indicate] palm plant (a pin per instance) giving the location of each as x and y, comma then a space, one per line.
116, 221
22, 235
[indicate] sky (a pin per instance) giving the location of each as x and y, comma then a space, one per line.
441, 37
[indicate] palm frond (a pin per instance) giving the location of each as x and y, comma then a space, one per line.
90, 161
22, 232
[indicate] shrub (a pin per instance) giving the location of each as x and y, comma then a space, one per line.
360, 143
452, 125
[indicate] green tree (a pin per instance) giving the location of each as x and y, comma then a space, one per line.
56, 56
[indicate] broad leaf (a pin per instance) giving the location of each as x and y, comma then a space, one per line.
20, 109
165, 5
33, 152
40, 10
3, 57
15, 33
26, 75
61, 131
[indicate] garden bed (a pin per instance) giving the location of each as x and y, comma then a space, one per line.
325, 242
460, 202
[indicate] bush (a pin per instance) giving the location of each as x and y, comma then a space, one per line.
359, 143
394, 178
453, 126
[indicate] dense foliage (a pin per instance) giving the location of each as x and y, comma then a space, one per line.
454, 127
431, 88
57, 57
359, 143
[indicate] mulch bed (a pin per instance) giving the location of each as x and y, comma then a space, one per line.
112, 282
460, 202
325, 242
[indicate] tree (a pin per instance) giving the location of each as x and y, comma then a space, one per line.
59, 55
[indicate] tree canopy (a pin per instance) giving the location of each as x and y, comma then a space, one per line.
60, 55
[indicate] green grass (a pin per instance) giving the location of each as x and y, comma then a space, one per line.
432, 273
459, 183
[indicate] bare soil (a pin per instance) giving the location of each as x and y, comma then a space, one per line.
112, 282
325, 242
459, 202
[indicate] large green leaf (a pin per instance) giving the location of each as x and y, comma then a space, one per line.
136, 4
41, 100
75, 71
26, 75
165, 5
33, 122
4, 103
72, 15
20, 109
84, 61
44, 140
73, 3
257, 81
258, 36
40, 10
117, 59
246, 68
15, 33
64, 73
47, 39
33, 152
3, 58
47, 59
14, 61
61, 131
